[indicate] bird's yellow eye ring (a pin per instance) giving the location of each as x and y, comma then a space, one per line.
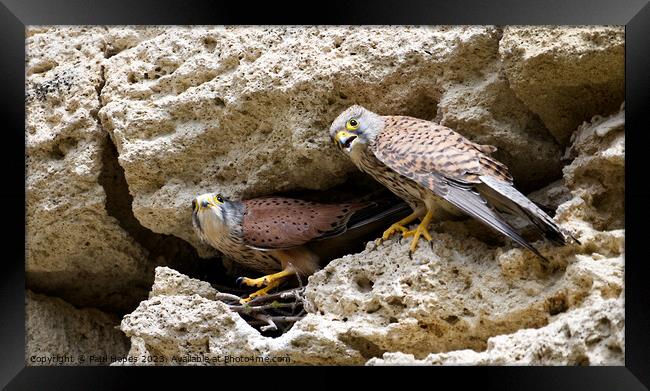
219, 198
352, 124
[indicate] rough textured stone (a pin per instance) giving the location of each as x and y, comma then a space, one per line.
460, 301
591, 335
566, 75
125, 125
244, 111
79, 223
598, 173
71, 237
180, 324
59, 334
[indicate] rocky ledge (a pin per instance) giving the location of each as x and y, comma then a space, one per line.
126, 125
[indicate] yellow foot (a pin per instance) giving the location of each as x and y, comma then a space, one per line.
399, 226
271, 281
421, 230
260, 292
392, 229
264, 280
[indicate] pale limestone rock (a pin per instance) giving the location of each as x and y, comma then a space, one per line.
566, 75
591, 335
182, 325
77, 231
245, 111
56, 333
597, 175
459, 301
484, 108
71, 237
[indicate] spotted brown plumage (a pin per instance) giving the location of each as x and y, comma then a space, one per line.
433, 167
275, 223
413, 146
273, 235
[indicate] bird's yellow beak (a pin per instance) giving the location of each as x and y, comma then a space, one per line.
201, 202
344, 139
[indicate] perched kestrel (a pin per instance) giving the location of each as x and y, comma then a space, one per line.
431, 166
274, 234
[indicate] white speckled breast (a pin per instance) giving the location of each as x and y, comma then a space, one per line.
227, 240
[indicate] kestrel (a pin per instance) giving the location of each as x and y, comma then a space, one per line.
432, 167
278, 236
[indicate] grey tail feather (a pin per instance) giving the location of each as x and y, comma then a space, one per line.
504, 195
360, 220
378, 212
476, 206
359, 230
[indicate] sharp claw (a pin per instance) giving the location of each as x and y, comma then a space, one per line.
239, 281
410, 255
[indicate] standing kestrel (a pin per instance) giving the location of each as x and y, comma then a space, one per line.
278, 236
431, 167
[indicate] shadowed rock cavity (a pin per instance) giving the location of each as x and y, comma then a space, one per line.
459, 301
191, 110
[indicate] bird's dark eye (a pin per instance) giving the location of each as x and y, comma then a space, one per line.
352, 124
193, 204
219, 198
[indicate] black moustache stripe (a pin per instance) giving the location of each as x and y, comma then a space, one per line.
195, 221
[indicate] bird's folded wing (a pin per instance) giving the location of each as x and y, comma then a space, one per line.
417, 146
447, 164
280, 223
503, 194
471, 202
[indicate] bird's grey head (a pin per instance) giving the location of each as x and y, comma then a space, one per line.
209, 208
355, 128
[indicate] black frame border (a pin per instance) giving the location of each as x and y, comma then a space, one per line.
634, 14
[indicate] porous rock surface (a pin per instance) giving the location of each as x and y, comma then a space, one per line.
590, 335
71, 236
565, 75
244, 111
459, 301
56, 333
126, 125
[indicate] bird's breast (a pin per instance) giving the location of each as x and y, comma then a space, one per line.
401, 186
227, 241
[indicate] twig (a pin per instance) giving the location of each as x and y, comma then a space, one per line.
270, 310
247, 308
278, 295
226, 296
279, 319
270, 325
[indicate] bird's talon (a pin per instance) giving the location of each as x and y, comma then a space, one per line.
254, 282
420, 231
392, 229
239, 281
262, 292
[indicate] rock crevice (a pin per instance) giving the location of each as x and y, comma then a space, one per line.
125, 125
